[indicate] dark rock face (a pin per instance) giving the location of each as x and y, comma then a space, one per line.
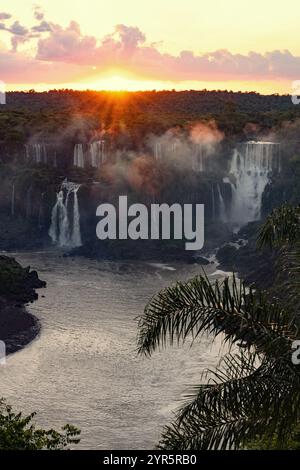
17, 287
18, 283
251, 265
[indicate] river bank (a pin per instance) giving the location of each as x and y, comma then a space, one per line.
18, 287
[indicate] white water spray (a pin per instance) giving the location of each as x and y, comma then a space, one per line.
65, 231
97, 155
78, 159
222, 206
251, 167
37, 153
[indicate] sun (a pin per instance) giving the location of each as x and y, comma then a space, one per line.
117, 82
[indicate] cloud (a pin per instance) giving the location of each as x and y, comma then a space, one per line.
14, 65
20, 34
38, 13
130, 36
43, 27
4, 16
66, 45
127, 48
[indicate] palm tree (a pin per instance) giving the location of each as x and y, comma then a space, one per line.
254, 393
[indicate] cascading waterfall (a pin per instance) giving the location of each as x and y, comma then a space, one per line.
53, 230
96, 150
76, 235
37, 153
222, 206
65, 231
199, 160
78, 156
158, 151
40, 153
251, 166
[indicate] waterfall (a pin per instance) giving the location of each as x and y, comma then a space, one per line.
96, 150
76, 235
13, 200
251, 166
53, 230
222, 207
36, 153
40, 153
63, 220
27, 152
65, 231
78, 156
158, 151
199, 158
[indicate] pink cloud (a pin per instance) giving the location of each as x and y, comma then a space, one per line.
15, 66
68, 51
127, 47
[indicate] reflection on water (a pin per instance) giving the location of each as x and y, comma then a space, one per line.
83, 369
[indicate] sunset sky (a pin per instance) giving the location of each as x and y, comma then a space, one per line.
138, 45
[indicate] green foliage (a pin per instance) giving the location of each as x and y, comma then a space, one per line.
12, 276
281, 227
133, 115
273, 442
17, 432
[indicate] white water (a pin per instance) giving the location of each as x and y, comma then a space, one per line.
84, 368
158, 151
76, 235
78, 156
37, 153
200, 161
222, 207
193, 155
63, 231
97, 155
251, 167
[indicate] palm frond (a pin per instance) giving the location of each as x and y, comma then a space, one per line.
236, 407
281, 227
228, 307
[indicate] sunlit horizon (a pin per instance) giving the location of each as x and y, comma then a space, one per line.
119, 83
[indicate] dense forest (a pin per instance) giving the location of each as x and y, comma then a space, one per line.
130, 116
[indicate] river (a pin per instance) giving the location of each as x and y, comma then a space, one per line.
83, 368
